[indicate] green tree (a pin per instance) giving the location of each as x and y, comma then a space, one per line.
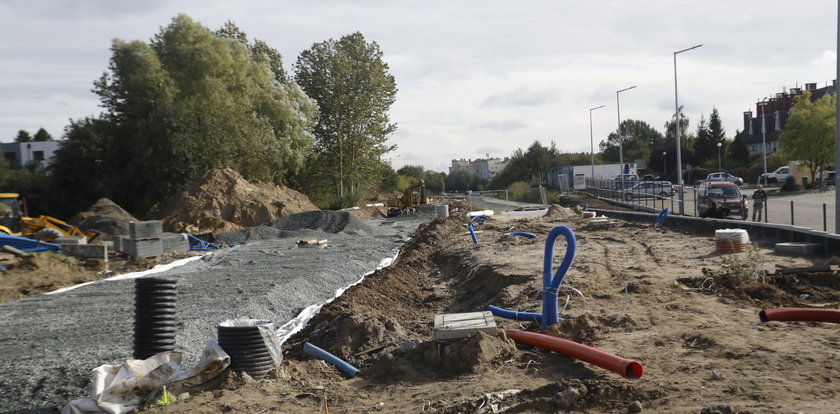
639, 138
737, 150
42, 135
189, 101
808, 135
354, 91
23, 136
435, 181
528, 166
463, 180
687, 139
412, 171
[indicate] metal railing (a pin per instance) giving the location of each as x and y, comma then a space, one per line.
817, 212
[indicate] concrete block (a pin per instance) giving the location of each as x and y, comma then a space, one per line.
143, 248
462, 325
797, 248
119, 242
141, 230
174, 242
87, 251
71, 240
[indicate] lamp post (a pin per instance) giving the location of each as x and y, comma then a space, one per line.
762, 104
664, 164
620, 143
591, 141
677, 126
719, 167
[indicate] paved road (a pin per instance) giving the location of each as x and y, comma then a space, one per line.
807, 208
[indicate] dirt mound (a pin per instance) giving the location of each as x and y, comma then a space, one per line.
558, 212
43, 272
368, 212
106, 217
222, 201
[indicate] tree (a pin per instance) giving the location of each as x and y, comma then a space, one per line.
737, 150
638, 138
435, 181
709, 135
42, 135
528, 166
462, 180
23, 136
808, 135
190, 101
354, 91
412, 171
687, 139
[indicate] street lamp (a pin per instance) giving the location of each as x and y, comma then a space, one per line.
620, 143
719, 167
677, 126
665, 163
762, 104
591, 141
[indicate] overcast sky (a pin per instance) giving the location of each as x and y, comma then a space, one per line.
474, 77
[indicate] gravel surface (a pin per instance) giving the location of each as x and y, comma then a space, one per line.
49, 343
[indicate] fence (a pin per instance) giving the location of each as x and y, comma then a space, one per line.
817, 212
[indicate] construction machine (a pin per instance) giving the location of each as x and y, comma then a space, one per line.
14, 221
411, 199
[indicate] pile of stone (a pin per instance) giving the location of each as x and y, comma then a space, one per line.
147, 239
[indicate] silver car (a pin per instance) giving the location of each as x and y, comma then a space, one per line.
724, 176
649, 189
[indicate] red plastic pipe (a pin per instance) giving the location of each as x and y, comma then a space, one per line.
627, 368
800, 315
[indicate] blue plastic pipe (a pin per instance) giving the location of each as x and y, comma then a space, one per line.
523, 234
472, 233
663, 215
585, 206
517, 316
330, 358
551, 283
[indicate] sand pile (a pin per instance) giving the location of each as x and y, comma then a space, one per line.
558, 212
222, 201
309, 224
104, 216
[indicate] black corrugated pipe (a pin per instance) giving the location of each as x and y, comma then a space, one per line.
155, 321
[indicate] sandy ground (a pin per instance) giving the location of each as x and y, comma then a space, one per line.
665, 299
661, 297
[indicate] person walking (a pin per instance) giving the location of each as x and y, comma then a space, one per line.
759, 199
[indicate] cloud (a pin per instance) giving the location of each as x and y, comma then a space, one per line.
493, 151
521, 97
509, 125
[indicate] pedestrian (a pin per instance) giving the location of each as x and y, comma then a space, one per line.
759, 199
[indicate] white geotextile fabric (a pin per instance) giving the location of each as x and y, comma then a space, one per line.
120, 389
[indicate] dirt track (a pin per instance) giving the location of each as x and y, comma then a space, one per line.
703, 349
649, 298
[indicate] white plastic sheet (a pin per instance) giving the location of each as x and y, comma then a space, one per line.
120, 389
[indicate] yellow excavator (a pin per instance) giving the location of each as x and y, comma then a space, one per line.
412, 198
14, 221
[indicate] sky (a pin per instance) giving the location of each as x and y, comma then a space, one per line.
475, 78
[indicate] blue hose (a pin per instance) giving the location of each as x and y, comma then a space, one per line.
523, 234
663, 215
472, 233
330, 358
585, 206
517, 316
551, 283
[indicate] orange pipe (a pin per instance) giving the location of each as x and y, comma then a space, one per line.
800, 315
627, 368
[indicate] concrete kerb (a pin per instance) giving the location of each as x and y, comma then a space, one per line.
769, 232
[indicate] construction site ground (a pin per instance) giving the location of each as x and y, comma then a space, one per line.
662, 297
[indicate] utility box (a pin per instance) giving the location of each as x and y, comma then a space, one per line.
462, 325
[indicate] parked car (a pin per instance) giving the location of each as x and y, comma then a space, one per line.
724, 176
648, 177
828, 176
649, 189
780, 175
724, 194
629, 180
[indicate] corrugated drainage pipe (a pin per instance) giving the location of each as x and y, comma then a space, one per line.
155, 319
627, 368
800, 315
332, 359
245, 341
